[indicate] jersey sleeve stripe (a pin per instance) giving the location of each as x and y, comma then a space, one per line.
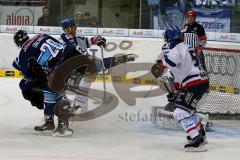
169, 62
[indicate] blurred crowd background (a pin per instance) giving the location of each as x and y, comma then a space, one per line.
214, 15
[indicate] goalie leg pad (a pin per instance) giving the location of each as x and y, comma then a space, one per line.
190, 122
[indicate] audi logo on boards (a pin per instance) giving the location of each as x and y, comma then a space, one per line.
221, 64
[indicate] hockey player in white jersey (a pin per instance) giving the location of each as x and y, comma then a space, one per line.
69, 36
190, 84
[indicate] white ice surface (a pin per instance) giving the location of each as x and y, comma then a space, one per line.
110, 137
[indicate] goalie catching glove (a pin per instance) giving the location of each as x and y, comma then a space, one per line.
158, 69
99, 41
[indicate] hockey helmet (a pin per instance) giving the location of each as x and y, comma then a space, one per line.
80, 13
192, 13
67, 23
172, 34
20, 37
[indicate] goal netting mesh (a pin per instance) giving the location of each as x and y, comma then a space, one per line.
223, 100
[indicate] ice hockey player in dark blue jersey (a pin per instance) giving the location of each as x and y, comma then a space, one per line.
38, 58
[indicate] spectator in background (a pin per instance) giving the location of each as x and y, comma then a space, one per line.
93, 22
87, 17
46, 20
80, 21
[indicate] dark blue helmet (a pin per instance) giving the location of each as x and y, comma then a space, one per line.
67, 23
20, 37
172, 34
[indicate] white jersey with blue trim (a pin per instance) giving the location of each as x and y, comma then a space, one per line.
82, 42
184, 65
165, 50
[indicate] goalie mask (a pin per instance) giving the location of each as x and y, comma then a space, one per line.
20, 37
172, 34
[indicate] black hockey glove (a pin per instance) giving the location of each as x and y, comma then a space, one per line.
36, 69
99, 41
171, 97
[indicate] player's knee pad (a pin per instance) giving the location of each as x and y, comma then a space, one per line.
180, 114
63, 108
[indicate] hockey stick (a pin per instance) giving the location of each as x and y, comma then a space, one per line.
148, 91
104, 81
159, 83
80, 91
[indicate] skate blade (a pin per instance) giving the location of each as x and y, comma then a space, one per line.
65, 134
43, 133
201, 148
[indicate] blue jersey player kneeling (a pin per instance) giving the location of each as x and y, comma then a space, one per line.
37, 58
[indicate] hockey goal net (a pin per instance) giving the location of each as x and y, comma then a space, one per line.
223, 68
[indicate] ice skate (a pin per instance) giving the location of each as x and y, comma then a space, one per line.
123, 59
62, 130
196, 145
46, 128
202, 132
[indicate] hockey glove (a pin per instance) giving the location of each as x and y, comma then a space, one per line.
36, 69
157, 69
171, 97
99, 41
